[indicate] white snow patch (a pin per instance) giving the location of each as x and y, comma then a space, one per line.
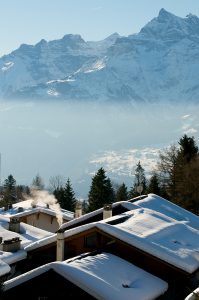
7, 66
4, 268
185, 117
52, 92
60, 81
97, 66
12, 257
159, 204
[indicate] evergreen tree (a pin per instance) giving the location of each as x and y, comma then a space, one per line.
188, 148
59, 195
140, 181
188, 174
153, 186
9, 191
122, 193
69, 199
38, 183
101, 191
65, 196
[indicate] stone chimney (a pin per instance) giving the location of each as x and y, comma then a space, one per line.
107, 211
14, 224
60, 246
78, 209
11, 245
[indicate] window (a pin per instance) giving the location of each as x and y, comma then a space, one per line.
90, 241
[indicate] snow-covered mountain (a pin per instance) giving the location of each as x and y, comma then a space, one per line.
160, 63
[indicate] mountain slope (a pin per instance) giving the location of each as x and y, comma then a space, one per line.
160, 63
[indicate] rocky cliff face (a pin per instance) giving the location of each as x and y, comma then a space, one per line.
160, 63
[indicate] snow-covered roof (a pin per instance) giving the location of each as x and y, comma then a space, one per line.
4, 268
40, 207
104, 276
125, 204
192, 296
164, 236
169, 209
28, 234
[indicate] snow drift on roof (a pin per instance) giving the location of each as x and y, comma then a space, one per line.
169, 209
104, 276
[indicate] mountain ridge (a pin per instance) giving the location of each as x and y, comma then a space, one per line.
160, 63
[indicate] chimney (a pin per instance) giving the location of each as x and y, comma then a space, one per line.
11, 245
78, 209
60, 246
14, 225
107, 211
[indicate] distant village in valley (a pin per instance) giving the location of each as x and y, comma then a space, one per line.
117, 244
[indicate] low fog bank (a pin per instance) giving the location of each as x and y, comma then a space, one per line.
75, 139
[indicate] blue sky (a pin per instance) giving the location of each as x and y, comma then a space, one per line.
28, 21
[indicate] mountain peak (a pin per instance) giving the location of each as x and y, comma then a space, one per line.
73, 38
165, 15
113, 36
41, 43
169, 27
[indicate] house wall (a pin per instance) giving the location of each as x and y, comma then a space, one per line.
42, 221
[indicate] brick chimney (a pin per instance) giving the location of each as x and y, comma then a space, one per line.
78, 209
107, 211
60, 246
14, 224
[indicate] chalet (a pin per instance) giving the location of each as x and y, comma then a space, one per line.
12, 244
155, 235
39, 214
97, 276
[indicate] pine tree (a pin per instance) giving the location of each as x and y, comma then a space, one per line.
188, 148
188, 174
122, 193
59, 195
140, 181
9, 191
153, 186
69, 199
38, 183
101, 191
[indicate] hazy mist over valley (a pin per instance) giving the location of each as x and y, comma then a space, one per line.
75, 139
78, 105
